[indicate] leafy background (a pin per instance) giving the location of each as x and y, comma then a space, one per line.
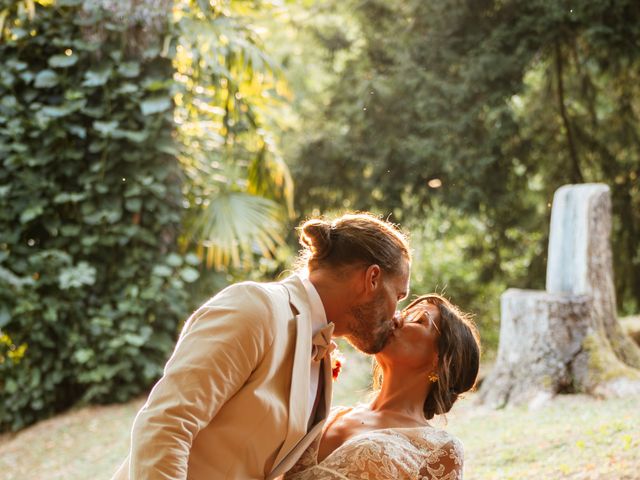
93, 285
111, 155
150, 150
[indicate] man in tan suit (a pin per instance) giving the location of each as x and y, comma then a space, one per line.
248, 385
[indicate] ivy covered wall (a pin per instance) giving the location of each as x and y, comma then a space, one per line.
91, 286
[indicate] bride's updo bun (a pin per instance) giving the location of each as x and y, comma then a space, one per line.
352, 239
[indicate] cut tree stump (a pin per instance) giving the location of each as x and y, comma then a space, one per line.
566, 339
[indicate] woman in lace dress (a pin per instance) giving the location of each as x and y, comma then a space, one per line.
427, 363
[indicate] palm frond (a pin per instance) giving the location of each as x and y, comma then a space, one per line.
269, 176
236, 225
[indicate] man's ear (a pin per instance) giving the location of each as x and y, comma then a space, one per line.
373, 277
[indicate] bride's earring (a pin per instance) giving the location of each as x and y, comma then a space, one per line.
433, 377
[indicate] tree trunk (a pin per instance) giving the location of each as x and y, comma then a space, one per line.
567, 338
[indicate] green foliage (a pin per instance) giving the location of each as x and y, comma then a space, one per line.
579, 112
458, 103
91, 285
130, 133
226, 84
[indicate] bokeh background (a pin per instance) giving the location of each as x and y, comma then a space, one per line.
154, 151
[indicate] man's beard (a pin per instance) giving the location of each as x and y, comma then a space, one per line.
369, 331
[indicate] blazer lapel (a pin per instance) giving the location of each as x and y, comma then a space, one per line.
298, 397
288, 461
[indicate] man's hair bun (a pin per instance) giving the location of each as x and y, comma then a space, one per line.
315, 234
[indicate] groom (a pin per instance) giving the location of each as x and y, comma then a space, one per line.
248, 385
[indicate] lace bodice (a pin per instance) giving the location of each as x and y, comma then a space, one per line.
423, 453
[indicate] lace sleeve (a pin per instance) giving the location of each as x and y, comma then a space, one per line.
390, 454
444, 463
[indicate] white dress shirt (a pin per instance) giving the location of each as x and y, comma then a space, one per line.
318, 321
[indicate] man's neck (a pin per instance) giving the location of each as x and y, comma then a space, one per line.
335, 294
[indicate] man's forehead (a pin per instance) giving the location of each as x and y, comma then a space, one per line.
405, 267
406, 273
404, 279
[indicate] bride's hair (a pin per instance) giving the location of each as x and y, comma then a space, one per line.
458, 356
352, 239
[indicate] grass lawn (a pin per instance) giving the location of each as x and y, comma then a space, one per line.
573, 437
86, 444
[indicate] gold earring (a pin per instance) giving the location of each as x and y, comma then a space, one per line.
433, 377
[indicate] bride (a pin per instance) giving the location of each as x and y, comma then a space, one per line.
427, 363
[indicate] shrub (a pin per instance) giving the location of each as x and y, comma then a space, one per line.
91, 286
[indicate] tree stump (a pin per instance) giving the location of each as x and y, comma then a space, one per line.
566, 339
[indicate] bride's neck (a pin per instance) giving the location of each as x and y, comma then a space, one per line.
403, 395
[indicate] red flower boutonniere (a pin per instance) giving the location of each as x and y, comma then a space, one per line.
337, 361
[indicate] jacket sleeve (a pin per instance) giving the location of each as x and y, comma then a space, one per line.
220, 346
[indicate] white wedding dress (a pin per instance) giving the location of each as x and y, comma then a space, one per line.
423, 453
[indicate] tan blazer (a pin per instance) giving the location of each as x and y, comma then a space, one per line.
233, 400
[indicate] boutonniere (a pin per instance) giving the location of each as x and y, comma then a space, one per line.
337, 361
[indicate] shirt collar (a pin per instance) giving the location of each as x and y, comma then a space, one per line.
318, 315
